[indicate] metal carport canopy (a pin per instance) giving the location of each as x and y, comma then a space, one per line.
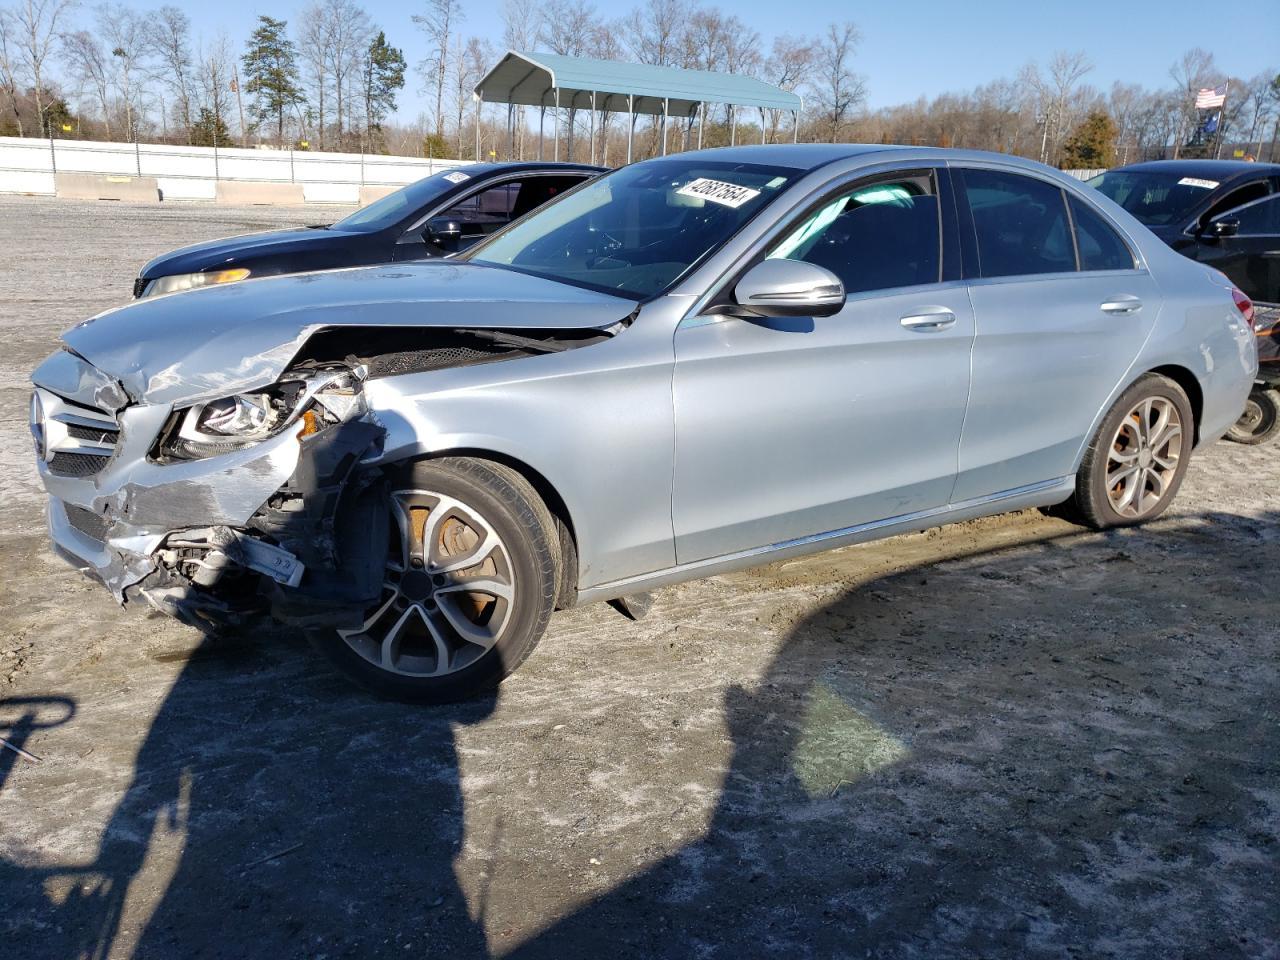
533, 79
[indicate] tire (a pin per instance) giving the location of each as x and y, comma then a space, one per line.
455, 522
1131, 470
1260, 420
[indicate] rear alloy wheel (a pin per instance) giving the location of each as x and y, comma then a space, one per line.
468, 587
1260, 420
1133, 467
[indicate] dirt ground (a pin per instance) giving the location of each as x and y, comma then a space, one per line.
1010, 738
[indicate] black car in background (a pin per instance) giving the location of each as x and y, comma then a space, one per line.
434, 217
1224, 213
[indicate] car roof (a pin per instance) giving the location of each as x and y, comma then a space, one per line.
810, 156
517, 166
1220, 170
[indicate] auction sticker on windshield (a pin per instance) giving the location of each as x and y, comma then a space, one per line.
717, 191
456, 177
1197, 182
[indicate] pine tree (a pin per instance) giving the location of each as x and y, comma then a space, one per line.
209, 130
383, 75
1092, 144
270, 64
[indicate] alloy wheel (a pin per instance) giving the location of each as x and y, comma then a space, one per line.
1143, 458
448, 589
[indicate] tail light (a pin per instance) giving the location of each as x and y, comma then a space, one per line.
1243, 304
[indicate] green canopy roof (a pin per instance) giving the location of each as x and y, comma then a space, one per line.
534, 79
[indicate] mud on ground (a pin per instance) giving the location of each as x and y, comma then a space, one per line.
1010, 738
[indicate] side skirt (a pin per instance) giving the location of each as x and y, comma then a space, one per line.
1041, 494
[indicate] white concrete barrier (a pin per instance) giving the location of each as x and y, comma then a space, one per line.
258, 192
97, 186
28, 165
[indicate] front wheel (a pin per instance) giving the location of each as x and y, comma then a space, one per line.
469, 585
1260, 420
1136, 461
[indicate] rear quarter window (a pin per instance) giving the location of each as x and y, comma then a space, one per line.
1101, 248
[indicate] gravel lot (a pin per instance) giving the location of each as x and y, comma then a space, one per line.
1010, 738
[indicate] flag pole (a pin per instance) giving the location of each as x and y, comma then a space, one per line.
1222, 111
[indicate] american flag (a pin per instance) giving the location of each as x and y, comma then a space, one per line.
1207, 99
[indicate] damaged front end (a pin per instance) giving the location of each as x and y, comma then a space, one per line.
285, 558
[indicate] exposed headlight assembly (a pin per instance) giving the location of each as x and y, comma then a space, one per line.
190, 281
307, 400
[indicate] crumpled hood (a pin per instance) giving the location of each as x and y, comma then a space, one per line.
214, 341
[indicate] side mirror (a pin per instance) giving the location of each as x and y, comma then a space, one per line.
788, 288
444, 233
1226, 227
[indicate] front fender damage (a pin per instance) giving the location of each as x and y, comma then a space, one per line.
311, 554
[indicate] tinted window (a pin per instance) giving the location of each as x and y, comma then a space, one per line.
1155, 198
1236, 198
877, 236
484, 212
1258, 219
1100, 246
394, 207
1021, 224
639, 229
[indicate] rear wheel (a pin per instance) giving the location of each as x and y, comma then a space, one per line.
469, 584
1136, 461
1260, 420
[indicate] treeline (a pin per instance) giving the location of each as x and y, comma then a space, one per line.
329, 78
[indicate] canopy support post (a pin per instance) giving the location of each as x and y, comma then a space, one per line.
511, 131
762, 127
702, 121
795, 126
542, 117
591, 128
557, 150
631, 122
733, 125
479, 104
664, 126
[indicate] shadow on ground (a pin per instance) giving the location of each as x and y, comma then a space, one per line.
1019, 782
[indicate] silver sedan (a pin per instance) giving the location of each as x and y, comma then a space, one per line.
691, 365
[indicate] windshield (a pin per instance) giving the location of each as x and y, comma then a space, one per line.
394, 207
637, 231
1155, 198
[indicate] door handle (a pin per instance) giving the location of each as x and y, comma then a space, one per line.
929, 320
1121, 305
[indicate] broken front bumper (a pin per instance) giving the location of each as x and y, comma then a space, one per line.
199, 539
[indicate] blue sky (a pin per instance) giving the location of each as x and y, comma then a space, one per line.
909, 50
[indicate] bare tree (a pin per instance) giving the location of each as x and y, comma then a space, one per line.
35, 25
90, 66
1054, 91
215, 69
169, 36
653, 33
314, 45
9, 64
838, 90
349, 31
126, 36
438, 24
789, 66
520, 22
1191, 72
567, 28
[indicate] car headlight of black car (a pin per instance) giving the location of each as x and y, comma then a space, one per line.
190, 281
307, 400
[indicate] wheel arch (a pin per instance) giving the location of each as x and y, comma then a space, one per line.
1190, 385
544, 488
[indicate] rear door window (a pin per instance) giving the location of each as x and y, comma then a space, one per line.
877, 236
1100, 247
1020, 222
